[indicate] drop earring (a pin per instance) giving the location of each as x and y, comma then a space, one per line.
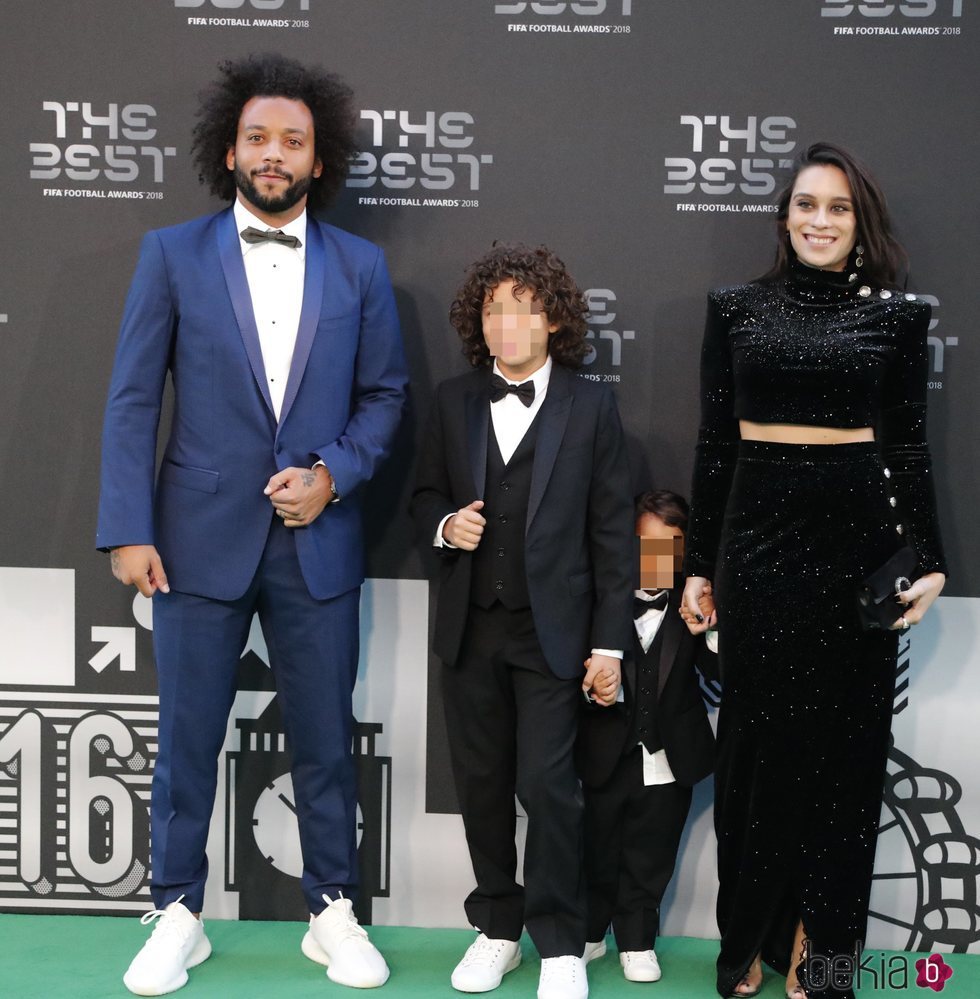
859, 259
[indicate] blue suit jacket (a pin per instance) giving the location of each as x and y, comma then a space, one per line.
189, 312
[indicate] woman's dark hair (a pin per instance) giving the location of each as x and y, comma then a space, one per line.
270, 75
884, 257
670, 507
538, 270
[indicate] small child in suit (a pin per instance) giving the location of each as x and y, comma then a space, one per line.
640, 761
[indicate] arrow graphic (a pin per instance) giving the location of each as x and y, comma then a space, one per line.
120, 643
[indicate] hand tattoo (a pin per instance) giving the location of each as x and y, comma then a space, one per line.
308, 478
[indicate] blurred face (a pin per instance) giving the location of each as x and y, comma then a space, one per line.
821, 223
273, 158
661, 552
516, 330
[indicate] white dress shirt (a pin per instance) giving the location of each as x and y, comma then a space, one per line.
275, 275
511, 418
648, 624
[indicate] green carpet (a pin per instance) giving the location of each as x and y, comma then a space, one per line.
84, 957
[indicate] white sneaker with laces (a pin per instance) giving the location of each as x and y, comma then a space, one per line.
178, 942
485, 963
336, 940
593, 950
563, 978
640, 965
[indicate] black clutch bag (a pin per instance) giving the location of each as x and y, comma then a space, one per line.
876, 598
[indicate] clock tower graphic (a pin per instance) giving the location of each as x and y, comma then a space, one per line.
263, 860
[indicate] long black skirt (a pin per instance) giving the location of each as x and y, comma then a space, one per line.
806, 707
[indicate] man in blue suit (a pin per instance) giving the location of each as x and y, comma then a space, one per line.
281, 339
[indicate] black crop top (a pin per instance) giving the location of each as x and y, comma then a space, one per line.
815, 349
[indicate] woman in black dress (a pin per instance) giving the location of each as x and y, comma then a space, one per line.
812, 470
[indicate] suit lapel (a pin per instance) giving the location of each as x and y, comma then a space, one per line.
672, 628
551, 429
309, 315
477, 405
230, 252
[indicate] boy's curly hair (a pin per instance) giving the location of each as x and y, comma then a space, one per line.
554, 290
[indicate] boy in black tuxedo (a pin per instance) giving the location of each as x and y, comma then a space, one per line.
639, 762
521, 483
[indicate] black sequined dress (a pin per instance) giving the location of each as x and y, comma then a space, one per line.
786, 532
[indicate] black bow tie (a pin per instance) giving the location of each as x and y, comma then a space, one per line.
499, 388
641, 606
253, 235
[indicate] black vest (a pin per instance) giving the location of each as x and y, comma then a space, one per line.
498, 562
644, 727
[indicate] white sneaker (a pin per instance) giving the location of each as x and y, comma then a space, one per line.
178, 942
640, 965
336, 940
563, 978
485, 963
594, 949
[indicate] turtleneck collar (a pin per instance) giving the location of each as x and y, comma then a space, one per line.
804, 272
814, 286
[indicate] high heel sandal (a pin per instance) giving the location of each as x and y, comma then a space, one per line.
735, 994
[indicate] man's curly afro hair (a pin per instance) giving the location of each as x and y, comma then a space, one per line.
330, 102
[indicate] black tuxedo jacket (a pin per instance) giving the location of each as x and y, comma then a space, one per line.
579, 529
681, 717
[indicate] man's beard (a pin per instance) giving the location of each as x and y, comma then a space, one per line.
272, 204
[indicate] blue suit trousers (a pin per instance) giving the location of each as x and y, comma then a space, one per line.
313, 652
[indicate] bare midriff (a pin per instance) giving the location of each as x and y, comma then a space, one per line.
798, 433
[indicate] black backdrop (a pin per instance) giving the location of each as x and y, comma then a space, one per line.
642, 139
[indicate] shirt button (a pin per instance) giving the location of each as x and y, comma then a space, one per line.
644, 690
500, 553
502, 518
505, 485
499, 585
887, 473
899, 529
892, 501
